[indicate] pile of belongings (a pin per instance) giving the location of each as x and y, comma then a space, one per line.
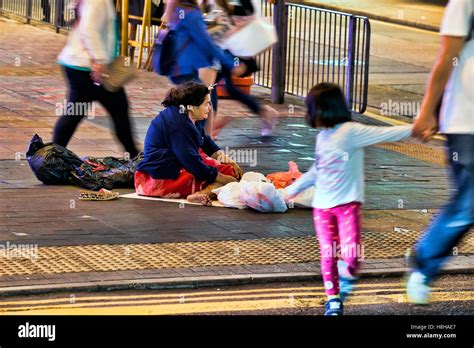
285, 179
255, 191
53, 164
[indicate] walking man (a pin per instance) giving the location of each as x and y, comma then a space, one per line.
453, 74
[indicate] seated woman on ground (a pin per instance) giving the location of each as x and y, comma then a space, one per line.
181, 161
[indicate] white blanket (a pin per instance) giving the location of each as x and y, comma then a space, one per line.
171, 200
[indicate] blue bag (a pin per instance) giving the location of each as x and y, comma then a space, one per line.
163, 58
165, 52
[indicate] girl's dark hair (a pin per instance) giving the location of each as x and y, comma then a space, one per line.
327, 106
188, 93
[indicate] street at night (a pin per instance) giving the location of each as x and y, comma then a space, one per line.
211, 164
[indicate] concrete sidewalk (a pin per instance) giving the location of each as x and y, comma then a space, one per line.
137, 243
422, 14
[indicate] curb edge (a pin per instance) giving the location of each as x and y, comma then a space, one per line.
201, 281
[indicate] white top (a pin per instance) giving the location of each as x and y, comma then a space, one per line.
457, 112
93, 36
338, 171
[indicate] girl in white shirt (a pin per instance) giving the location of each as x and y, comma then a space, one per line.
338, 177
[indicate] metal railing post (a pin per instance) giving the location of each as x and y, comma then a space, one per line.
29, 11
57, 14
366, 67
350, 61
280, 20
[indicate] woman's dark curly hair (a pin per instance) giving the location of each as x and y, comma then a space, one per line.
327, 106
188, 93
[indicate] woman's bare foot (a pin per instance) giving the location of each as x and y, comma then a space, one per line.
200, 198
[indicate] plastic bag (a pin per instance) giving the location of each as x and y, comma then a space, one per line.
302, 199
243, 41
229, 195
263, 197
108, 172
52, 164
284, 179
253, 177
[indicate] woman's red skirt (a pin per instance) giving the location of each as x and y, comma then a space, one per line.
185, 185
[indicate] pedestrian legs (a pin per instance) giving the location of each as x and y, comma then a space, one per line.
117, 106
82, 92
79, 99
349, 221
325, 223
457, 217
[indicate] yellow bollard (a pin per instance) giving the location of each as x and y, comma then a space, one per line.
125, 28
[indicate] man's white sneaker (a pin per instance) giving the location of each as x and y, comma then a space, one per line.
418, 291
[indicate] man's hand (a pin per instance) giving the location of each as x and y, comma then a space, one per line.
425, 126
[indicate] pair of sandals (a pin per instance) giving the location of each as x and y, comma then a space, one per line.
101, 195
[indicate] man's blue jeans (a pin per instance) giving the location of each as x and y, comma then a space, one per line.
457, 216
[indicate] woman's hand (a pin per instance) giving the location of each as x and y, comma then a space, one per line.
98, 71
224, 159
225, 179
237, 170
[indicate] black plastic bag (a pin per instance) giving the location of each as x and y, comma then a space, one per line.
51, 163
110, 172
55, 165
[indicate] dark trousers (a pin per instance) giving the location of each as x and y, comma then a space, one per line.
457, 217
179, 79
82, 90
234, 92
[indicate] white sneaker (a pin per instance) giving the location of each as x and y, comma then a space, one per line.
418, 291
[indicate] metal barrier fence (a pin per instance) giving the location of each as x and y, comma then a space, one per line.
315, 45
54, 12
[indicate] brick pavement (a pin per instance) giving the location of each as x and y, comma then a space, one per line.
31, 92
32, 213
